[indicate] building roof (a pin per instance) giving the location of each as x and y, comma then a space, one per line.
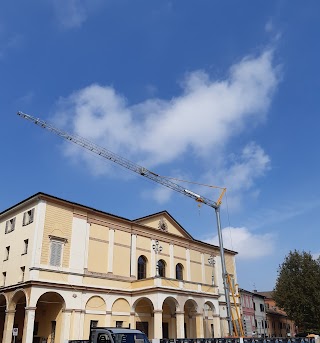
267, 294
40, 195
254, 293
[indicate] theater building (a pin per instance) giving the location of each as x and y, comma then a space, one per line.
66, 266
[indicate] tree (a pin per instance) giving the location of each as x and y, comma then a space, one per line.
297, 290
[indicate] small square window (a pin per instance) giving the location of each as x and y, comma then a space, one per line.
4, 277
25, 247
119, 324
7, 253
22, 269
28, 217
93, 323
10, 225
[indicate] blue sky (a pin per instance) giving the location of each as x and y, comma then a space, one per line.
221, 93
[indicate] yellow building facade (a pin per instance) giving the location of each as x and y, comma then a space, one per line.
66, 266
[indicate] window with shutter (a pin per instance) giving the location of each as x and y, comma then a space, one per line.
28, 217
55, 253
10, 224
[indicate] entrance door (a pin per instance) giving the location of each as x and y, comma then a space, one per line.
165, 330
144, 327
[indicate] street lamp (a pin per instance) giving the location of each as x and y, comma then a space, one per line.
212, 262
157, 249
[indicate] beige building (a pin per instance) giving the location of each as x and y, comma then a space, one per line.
65, 266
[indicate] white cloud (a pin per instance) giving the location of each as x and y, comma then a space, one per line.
199, 123
239, 173
160, 194
249, 245
73, 13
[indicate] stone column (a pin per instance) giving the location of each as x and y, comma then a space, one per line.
132, 320
81, 323
203, 274
133, 270
8, 326
110, 255
172, 327
30, 313
76, 327
199, 325
157, 324
65, 334
172, 266
180, 324
188, 265
216, 326
108, 318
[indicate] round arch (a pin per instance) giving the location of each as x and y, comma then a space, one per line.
190, 311
142, 267
120, 311
18, 302
143, 309
96, 303
95, 313
3, 308
16, 297
169, 308
49, 316
209, 312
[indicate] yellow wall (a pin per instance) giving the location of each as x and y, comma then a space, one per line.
58, 222
98, 256
121, 253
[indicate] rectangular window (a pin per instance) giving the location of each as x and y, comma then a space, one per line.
119, 324
7, 253
261, 308
55, 253
93, 323
56, 250
28, 217
22, 273
10, 224
25, 247
4, 277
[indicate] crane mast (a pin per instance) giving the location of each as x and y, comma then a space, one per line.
109, 155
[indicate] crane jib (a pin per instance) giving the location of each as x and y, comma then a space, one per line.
81, 141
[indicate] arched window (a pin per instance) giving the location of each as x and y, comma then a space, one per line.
162, 268
142, 267
179, 271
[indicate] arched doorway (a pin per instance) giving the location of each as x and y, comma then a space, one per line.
48, 318
190, 311
143, 309
18, 304
3, 307
169, 325
208, 313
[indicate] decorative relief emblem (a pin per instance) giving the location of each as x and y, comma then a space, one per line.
163, 226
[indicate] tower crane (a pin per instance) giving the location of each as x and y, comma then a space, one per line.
125, 163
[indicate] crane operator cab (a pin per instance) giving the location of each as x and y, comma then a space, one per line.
117, 335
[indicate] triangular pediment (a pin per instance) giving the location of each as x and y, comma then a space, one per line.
164, 222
